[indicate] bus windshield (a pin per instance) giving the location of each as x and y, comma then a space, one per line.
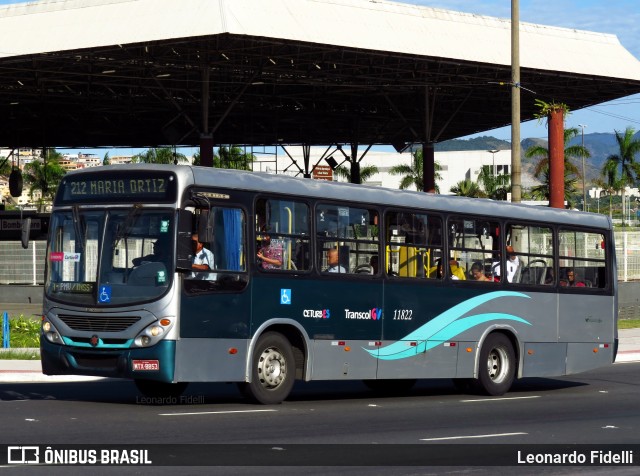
110, 257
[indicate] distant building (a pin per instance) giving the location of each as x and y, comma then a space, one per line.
120, 159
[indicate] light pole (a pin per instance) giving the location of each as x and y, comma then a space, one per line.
493, 155
584, 188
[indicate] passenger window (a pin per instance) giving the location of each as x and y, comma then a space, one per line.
582, 259
219, 264
347, 240
282, 233
529, 255
474, 248
414, 245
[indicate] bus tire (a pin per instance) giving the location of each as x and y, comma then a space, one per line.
273, 370
156, 389
497, 365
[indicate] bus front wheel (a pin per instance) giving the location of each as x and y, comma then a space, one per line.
272, 370
497, 367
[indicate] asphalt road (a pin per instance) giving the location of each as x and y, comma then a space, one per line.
596, 408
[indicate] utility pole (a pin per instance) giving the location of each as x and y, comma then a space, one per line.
584, 189
516, 177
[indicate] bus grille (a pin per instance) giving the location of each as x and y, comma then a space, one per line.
96, 361
99, 323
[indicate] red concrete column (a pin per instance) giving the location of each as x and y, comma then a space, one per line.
206, 150
556, 158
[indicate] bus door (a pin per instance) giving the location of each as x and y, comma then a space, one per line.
346, 299
413, 296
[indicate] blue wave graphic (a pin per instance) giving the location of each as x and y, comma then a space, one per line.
446, 326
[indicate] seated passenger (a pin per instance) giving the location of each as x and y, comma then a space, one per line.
270, 256
334, 262
160, 252
477, 272
373, 262
202, 259
571, 280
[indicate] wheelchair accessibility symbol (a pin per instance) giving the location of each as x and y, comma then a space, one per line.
105, 294
285, 296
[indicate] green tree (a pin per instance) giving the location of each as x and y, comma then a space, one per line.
366, 172
233, 157
621, 168
5, 166
541, 192
412, 174
44, 176
609, 186
496, 187
106, 160
468, 188
571, 171
162, 155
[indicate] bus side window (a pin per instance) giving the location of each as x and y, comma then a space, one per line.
282, 235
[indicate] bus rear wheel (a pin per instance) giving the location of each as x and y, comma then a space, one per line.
497, 367
156, 389
272, 370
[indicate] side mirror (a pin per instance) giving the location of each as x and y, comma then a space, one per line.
15, 183
184, 248
26, 230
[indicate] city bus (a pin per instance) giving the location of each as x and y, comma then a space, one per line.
316, 280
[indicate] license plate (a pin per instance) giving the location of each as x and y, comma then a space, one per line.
146, 365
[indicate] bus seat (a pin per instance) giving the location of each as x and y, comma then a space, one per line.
458, 271
147, 274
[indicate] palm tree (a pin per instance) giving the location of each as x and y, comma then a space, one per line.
621, 168
366, 172
609, 186
541, 192
44, 176
413, 174
468, 188
496, 187
229, 158
162, 155
571, 171
5, 166
233, 157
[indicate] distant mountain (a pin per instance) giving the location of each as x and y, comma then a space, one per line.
478, 143
600, 145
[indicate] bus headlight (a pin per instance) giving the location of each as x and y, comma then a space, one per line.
153, 333
50, 332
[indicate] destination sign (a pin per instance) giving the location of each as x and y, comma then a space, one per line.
72, 287
117, 188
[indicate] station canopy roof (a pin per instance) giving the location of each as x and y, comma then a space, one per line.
138, 73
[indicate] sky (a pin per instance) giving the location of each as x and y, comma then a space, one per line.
618, 17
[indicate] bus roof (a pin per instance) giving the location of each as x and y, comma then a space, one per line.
353, 193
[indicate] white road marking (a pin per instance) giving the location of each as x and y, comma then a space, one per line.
499, 399
215, 413
495, 435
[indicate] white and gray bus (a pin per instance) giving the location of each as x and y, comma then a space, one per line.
314, 280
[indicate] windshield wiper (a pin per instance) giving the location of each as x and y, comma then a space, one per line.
77, 226
123, 229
